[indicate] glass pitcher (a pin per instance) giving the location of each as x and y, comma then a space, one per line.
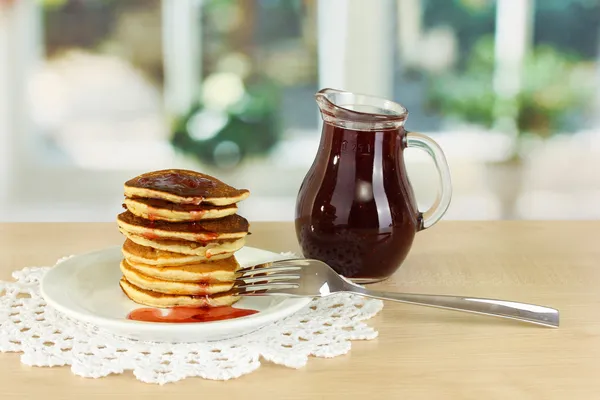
356, 209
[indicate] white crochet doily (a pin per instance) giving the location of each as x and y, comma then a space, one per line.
46, 338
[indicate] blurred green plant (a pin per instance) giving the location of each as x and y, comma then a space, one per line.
223, 137
237, 114
555, 89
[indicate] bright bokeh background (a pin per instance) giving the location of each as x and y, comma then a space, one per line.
93, 92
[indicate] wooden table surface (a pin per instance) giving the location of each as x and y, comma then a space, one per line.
421, 353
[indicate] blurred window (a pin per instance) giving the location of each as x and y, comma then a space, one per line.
95, 91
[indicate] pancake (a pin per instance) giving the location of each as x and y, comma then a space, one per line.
208, 271
175, 252
183, 187
141, 254
161, 300
231, 227
172, 287
161, 210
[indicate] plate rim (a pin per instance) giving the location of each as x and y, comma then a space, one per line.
149, 327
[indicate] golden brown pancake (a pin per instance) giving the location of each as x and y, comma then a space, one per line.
161, 210
143, 281
231, 227
176, 252
161, 300
141, 254
208, 271
184, 187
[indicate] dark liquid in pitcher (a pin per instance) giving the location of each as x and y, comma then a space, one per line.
355, 209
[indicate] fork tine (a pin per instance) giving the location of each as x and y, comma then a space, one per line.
292, 262
242, 289
277, 276
269, 278
266, 270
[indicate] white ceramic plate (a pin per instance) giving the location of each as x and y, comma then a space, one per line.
86, 288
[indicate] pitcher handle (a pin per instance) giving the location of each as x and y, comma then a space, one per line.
442, 202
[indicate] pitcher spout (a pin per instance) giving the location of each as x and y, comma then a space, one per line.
325, 100
359, 111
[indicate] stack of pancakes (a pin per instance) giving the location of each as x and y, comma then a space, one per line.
182, 232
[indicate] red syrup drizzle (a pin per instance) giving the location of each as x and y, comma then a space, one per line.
206, 236
150, 235
152, 219
197, 215
188, 314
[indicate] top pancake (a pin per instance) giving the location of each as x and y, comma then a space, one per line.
183, 187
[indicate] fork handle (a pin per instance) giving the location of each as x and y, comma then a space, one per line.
532, 313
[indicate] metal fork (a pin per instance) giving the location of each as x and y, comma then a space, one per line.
313, 278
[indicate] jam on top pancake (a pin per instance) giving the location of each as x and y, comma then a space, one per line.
183, 186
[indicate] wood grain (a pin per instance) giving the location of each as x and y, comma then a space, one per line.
421, 353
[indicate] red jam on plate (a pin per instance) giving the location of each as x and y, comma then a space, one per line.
188, 314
